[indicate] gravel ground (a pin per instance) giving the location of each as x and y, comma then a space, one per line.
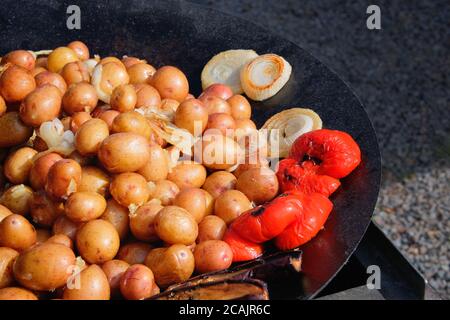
401, 73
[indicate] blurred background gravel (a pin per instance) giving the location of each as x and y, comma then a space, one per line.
401, 74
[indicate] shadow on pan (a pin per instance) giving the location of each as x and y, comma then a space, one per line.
188, 35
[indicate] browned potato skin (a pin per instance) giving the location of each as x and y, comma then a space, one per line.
175, 225
15, 293
129, 188
17, 199
4, 212
240, 107
17, 233
212, 255
218, 182
132, 121
41, 105
12, 130
147, 96
142, 221
211, 228
258, 184
118, 216
165, 191
42, 235
94, 179
218, 152
191, 115
123, 98
90, 136
209, 203
171, 83
63, 178
44, 210
108, 116
97, 241
47, 77
222, 122
63, 225
22, 58
18, 165
80, 49
16, 83
134, 253
44, 267
140, 73
114, 269
247, 166
171, 265
61, 239
40, 168
3, 106
214, 104
80, 97
78, 119
194, 201
230, 205
84, 206
116, 145
157, 167
137, 282
7, 258
93, 286
75, 72
188, 174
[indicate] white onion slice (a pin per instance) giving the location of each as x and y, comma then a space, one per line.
264, 76
225, 68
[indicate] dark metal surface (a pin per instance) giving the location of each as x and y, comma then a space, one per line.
399, 279
187, 35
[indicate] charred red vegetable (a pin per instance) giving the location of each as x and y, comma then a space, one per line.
316, 209
294, 176
336, 151
243, 250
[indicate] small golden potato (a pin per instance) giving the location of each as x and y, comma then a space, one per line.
97, 241
194, 201
171, 265
230, 205
63, 178
17, 233
157, 167
18, 165
134, 146
93, 285
15, 293
164, 191
84, 206
211, 228
44, 267
175, 225
7, 258
258, 184
43, 210
219, 182
118, 216
17, 199
212, 255
142, 221
129, 188
137, 282
134, 253
94, 179
90, 136
188, 174
114, 269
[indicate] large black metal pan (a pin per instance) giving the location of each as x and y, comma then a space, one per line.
187, 35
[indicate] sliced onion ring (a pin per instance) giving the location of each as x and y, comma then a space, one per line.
286, 126
225, 68
264, 76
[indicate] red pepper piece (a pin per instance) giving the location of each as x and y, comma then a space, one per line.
242, 249
266, 221
303, 177
338, 152
316, 210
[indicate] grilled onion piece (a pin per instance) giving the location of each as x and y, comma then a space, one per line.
264, 76
286, 126
225, 68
